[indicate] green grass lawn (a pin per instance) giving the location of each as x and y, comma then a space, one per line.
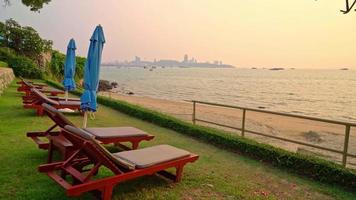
3, 64
218, 174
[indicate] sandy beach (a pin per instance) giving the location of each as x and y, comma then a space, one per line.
317, 133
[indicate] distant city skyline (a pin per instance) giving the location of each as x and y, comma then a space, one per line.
186, 59
185, 62
254, 33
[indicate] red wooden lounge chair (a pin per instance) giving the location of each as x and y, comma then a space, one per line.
27, 86
32, 97
24, 83
105, 135
125, 165
58, 104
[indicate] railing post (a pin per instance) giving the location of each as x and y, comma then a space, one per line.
346, 145
243, 122
193, 115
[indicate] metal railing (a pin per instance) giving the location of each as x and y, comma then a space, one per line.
243, 129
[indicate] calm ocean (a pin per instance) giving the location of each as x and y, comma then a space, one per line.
321, 93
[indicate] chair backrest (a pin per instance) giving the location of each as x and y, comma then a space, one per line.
56, 116
28, 84
43, 97
94, 150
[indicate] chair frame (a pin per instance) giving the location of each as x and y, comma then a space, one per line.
89, 153
26, 86
57, 141
37, 102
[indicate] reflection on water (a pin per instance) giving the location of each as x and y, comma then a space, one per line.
322, 93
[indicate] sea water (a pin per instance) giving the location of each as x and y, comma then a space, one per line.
320, 93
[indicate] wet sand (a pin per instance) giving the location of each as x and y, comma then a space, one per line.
316, 133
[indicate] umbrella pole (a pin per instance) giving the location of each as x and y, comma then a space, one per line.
66, 95
85, 120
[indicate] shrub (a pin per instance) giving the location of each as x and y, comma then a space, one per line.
3, 64
24, 67
306, 165
6, 54
21, 65
57, 66
79, 70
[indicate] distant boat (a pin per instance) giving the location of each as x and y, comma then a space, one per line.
253, 68
344, 68
277, 68
292, 68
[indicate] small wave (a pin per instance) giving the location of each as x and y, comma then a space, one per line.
281, 103
348, 117
297, 112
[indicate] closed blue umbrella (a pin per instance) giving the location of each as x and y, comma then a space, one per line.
69, 68
91, 71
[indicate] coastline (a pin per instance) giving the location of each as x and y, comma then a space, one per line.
317, 133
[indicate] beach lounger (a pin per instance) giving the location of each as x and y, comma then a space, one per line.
32, 97
105, 135
125, 165
42, 98
24, 83
26, 88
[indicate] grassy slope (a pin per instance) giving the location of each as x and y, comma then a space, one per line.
218, 174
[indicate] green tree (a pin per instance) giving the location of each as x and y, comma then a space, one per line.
34, 5
56, 66
24, 40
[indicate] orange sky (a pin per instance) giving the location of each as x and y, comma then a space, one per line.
245, 33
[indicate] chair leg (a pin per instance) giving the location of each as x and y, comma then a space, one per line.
179, 173
107, 193
135, 145
65, 156
40, 111
50, 152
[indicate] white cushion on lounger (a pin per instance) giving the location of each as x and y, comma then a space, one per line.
150, 156
69, 103
88, 136
115, 132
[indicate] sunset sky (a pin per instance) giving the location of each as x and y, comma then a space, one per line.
253, 33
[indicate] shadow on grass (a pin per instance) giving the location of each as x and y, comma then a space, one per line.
132, 187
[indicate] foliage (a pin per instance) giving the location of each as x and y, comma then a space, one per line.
24, 40
24, 67
309, 166
34, 5
6, 54
57, 66
79, 70
3, 64
21, 65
